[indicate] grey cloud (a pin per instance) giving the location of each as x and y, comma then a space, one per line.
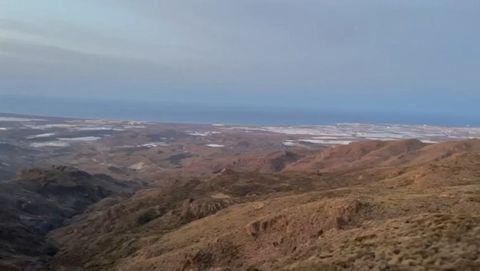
311, 47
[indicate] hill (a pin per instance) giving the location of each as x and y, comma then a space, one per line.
40, 200
400, 206
370, 205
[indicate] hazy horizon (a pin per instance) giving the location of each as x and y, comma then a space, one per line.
188, 112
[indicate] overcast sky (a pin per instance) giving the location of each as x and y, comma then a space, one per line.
372, 55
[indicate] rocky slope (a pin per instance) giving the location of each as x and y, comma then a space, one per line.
399, 205
372, 205
39, 200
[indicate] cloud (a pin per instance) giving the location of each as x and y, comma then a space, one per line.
266, 48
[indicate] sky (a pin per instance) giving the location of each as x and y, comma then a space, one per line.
411, 56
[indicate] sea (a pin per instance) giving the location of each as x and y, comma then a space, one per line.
190, 112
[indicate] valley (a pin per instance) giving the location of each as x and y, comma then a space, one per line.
133, 195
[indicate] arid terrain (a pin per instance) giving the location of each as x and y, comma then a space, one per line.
133, 195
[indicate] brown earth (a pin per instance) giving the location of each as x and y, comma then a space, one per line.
39, 200
371, 205
400, 205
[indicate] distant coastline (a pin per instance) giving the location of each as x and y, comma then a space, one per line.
174, 112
